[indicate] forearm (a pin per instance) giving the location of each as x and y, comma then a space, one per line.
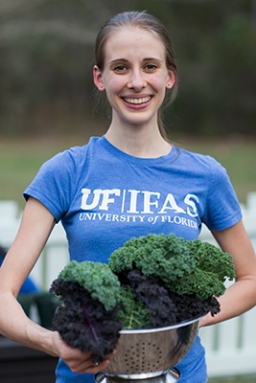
238, 298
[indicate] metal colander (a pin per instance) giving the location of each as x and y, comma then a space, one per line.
146, 353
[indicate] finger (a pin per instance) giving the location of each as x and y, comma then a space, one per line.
87, 366
100, 366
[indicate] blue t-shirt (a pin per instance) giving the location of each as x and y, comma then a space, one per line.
104, 197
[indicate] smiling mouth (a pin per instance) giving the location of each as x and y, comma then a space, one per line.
137, 101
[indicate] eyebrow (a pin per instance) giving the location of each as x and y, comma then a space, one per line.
127, 61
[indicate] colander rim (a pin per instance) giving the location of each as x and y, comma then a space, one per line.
166, 328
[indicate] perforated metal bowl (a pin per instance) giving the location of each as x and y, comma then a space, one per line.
147, 353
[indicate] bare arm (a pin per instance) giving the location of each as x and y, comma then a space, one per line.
36, 226
241, 296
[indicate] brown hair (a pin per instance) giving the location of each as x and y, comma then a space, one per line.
150, 23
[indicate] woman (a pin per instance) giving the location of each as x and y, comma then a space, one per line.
130, 182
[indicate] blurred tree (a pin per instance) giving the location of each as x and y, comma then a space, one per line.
46, 46
216, 55
46, 59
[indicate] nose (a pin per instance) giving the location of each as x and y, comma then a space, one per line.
136, 80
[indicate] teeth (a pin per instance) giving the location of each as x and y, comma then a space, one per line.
137, 101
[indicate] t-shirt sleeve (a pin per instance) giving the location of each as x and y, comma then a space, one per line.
222, 207
53, 184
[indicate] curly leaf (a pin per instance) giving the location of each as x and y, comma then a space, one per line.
133, 312
95, 277
84, 322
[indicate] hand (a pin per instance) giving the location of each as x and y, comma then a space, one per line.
78, 361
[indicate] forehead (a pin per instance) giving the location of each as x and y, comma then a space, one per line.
130, 39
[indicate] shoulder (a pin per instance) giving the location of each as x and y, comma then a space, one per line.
201, 164
55, 183
201, 159
221, 206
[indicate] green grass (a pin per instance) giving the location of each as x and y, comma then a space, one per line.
20, 159
234, 379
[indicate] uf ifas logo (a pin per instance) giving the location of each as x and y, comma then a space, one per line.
137, 202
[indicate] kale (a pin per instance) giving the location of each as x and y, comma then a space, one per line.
184, 267
160, 307
96, 278
152, 281
157, 255
133, 313
190, 306
83, 320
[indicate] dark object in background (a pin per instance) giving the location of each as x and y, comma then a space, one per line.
20, 364
46, 305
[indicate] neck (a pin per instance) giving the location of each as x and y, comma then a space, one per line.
139, 142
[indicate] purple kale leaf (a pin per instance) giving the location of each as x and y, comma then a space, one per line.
83, 322
165, 307
161, 309
190, 306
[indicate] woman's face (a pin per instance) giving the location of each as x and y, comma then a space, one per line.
135, 76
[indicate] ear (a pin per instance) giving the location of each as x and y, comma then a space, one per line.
171, 79
97, 78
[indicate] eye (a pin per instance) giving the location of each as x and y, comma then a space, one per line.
150, 67
120, 68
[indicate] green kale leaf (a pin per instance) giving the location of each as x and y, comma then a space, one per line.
133, 313
162, 256
96, 278
181, 266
